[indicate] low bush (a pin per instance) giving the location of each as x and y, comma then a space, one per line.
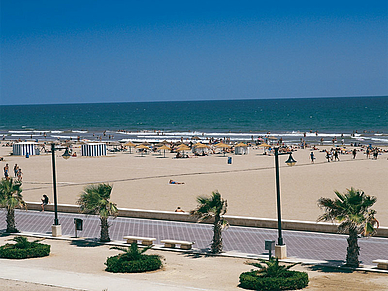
290, 280
273, 276
133, 260
24, 249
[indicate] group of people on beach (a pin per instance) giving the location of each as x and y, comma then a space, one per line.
18, 175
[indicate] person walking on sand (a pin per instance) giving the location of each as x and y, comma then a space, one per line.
354, 153
15, 170
6, 171
336, 157
45, 201
19, 175
312, 157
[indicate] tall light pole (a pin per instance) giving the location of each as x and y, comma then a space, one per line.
56, 227
280, 248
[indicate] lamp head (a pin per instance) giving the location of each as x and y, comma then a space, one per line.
291, 162
66, 155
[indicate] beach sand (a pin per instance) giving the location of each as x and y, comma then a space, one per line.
181, 270
141, 182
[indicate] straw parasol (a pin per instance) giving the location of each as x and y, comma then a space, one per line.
142, 147
164, 148
183, 148
201, 146
241, 144
130, 145
265, 146
223, 145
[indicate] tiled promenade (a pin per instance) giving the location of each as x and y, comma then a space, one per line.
248, 240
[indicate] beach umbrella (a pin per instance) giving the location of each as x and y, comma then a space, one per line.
142, 147
195, 138
182, 148
240, 145
201, 146
264, 145
164, 148
223, 146
130, 145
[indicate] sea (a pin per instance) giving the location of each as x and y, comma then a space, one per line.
347, 120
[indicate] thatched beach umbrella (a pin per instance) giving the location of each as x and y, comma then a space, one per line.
201, 146
264, 146
130, 145
182, 148
164, 148
223, 146
241, 145
142, 147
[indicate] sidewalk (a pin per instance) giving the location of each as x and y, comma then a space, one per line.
240, 241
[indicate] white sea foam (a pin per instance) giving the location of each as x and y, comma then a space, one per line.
20, 131
79, 131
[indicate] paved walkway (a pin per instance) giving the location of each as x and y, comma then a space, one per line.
237, 240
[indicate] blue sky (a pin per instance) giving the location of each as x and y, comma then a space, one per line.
70, 51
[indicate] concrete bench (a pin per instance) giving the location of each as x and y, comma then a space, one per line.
381, 264
169, 243
146, 241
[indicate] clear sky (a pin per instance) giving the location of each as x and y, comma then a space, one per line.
81, 51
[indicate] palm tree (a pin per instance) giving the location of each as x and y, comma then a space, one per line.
10, 198
95, 200
212, 207
351, 210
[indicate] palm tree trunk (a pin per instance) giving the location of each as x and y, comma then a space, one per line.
104, 230
11, 225
216, 247
353, 249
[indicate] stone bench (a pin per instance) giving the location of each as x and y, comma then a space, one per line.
169, 243
146, 241
381, 264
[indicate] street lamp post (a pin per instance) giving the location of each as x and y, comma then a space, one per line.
56, 227
280, 248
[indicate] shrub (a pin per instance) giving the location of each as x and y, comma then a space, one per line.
24, 249
290, 280
133, 260
273, 277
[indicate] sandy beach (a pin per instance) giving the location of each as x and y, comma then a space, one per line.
141, 182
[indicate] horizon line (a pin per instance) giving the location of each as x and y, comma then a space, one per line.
201, 100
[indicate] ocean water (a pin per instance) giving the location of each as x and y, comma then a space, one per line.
354, 119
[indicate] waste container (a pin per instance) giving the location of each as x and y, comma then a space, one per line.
78, 223
229, 160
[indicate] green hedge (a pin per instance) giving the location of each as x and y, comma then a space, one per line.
35, 250
118, 264
290, 280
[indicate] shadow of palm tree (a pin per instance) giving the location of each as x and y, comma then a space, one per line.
332, 266
86, 243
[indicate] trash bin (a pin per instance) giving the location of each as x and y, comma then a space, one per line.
78, 223
229, 160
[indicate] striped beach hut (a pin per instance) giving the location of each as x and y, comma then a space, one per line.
24, 148
93, 149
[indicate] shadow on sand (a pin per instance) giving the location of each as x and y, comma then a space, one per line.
86, 243
332, 266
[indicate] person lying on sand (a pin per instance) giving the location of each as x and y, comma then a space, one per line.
174, 182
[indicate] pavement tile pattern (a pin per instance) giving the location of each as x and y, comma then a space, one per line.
248, 240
